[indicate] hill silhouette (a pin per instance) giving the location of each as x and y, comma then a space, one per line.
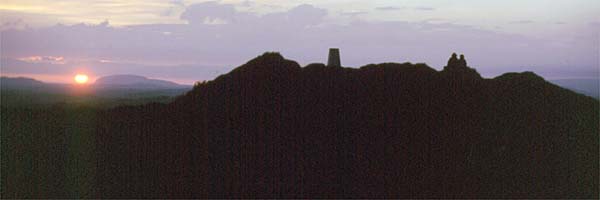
19, 82
134, 81
108, 91
273, 129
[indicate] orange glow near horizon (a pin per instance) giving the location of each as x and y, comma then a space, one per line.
70, 78
81, 79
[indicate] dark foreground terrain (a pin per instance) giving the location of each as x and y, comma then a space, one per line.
271, 128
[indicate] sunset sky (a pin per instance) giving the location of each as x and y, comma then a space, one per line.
185, 41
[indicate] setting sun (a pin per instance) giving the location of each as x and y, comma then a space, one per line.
81, 78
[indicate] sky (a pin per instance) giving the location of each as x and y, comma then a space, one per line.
194, 40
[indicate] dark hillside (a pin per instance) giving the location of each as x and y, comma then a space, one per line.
273, 129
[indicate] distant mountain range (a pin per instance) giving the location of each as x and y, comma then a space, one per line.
25, 91
112, 81
19, 83
134, 81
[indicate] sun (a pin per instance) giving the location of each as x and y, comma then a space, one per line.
81, 78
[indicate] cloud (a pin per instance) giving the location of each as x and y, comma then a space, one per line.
177, 2
43, 13
435, 20
424, 8
246, 3
306, 14
43, 59
354, 13
16, 24
522, 22
393, 8
209, 11
389, 8
219, 37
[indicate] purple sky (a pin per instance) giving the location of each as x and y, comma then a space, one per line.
187, 41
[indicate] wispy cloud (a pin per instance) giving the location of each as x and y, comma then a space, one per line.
354, 13
522, 22
394, 8
43, 59
424, 8
93, 11
389, 8
435, 20
246, 3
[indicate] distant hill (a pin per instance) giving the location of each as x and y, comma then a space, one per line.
590, 87
22, 91
19, 82
134, 81
109, 91
273, 129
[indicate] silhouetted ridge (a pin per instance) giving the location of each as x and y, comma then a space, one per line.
314, 66
270, 62
518, 77
529, 85
401, 67
273, 129
270, 66
525, 84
